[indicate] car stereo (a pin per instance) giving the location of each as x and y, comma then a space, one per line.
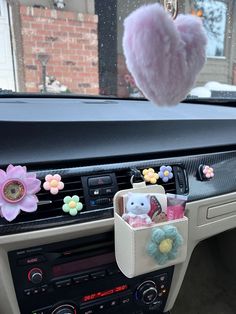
81, 277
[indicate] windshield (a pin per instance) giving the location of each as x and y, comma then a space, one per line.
75, 47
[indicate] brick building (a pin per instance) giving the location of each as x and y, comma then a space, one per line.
68, 38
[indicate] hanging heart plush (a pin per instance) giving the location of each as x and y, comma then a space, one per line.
164, 55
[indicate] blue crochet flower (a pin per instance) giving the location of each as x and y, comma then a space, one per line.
165, 173
164, 244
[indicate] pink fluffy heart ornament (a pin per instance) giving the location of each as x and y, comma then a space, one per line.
164, 55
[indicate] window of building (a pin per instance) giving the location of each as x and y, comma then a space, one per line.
214, 16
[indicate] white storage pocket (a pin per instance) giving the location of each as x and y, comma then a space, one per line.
146, 249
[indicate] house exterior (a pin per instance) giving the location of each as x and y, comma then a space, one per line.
67, 38
7, 79
83, 44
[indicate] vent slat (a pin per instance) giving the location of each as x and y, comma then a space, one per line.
123, 180
65, 191
51, 205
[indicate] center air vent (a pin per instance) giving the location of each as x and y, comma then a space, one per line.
96, 190
177, 185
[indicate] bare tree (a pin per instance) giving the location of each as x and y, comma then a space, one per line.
212, 13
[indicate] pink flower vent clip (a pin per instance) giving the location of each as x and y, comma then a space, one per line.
17, 191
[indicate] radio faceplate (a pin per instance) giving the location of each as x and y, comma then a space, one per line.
81, 276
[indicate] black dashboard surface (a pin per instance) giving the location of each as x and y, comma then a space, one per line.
55, 129
81, 137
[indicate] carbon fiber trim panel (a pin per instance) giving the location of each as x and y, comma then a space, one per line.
224, 165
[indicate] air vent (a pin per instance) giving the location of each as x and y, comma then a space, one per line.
123, 181
51, 205
49, 213
173, 186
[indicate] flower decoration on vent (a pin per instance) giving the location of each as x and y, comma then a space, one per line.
208, 172
18, 189
165, 173
72, 205
150, 175
53, 183
164, 244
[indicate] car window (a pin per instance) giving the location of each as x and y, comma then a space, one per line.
75, 47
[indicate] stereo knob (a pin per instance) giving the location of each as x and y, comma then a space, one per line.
147, 292
64, 309
35, 275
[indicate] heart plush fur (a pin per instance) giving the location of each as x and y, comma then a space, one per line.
164, 55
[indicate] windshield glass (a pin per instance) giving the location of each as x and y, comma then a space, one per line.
75, 47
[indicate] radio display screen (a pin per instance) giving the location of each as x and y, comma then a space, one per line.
105, 293
82, 265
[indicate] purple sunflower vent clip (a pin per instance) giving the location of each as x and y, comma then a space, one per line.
17, 191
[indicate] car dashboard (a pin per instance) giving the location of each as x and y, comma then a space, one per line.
54, 263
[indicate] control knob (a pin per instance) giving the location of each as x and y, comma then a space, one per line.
147, 292
64, 309
35, 275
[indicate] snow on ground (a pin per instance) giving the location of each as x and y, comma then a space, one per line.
206, 90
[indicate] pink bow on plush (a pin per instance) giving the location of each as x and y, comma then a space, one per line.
164, 56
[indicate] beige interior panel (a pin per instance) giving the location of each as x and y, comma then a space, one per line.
221, 210
201, 228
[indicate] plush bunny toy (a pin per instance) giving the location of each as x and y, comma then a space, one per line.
137, 209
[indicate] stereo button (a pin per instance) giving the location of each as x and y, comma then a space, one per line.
35, 275
63, 283
44, 288
99, 274
162, 278
114, 303
96, 192
126, 300
103, 201
101, 307
113, 271
99, 181
28, 292
80, 279
36, 291
107, 191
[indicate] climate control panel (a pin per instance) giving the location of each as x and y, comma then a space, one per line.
82, 277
